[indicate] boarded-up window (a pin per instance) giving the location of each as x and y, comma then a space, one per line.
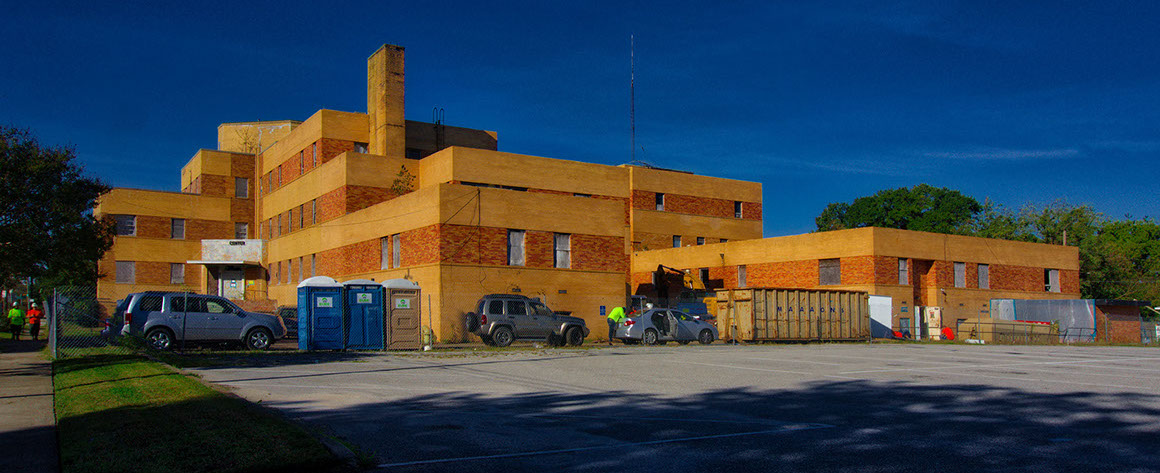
515, 247
829, 272
741, 276
177, 228
241, 188
385, 248
397, 250
660, 201
903, 271
126, 225
676, 241
126, 272
563, 250
176, 273
700, 240
1051, 280
960, 274
984, 276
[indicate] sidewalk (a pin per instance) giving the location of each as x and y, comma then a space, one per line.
27, 422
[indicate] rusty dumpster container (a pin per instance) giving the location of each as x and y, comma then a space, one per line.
769, 314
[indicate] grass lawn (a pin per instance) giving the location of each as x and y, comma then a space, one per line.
120, 413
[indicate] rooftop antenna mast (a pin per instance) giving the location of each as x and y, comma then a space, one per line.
632, 95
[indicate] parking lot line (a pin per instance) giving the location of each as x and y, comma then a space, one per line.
617, 445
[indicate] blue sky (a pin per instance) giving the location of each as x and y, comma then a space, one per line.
820, 101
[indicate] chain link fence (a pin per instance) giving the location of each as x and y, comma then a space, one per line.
80, 324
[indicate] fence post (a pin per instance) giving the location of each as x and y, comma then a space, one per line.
53, 320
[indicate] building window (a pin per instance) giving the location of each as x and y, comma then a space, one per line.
705, 276
301, 162
126, 225
676, 241
960, 274
741, 276
660, 201
397, 250
241, 230
903, 272
384, 245
577, 194
279, 217
984, 276
289, 269
278, 273
563, 247
700, 241
177, 228
360, 147
176, 273
1051, 280
314, 153
515, 247
829, 272
302, 216
279, 174
314, 211
313, 265
737, 209
126, 272
724, 240
904, 325
301, 269
241, 188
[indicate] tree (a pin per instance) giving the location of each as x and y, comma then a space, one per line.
922, 208
404, 182
47, 228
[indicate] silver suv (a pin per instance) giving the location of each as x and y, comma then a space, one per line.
500, 319
163, 318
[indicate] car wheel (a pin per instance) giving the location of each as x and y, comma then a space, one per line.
159, 338
574, 336
555, 340
705, 337
502, 336
259, 339
650, 337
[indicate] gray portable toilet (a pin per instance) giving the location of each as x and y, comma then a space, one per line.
320, 314
404, 319
363, 318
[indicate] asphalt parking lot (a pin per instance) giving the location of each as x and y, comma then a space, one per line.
873, 408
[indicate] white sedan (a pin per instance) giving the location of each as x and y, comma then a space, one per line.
657, 326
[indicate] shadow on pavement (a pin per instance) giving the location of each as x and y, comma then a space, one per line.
826, 426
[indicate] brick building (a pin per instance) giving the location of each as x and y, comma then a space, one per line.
371, 195
915, 269
374, 196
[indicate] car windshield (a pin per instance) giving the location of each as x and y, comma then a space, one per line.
541, 309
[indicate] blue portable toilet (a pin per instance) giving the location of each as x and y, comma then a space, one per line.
363, 319
320, 314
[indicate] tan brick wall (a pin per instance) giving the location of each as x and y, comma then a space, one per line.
598, 253
1069, 281
217, 186
695, 205
1017, 278
789, 274
243, 166
151, 272
155, 227
242, 210
361, 197
329, 148
651, 241
420, 246
194, 186
208, 230
360, 257
475, 245
1117, 324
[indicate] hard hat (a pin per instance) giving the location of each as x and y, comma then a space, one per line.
34, 304
14, 304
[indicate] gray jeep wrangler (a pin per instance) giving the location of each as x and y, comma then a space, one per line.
500, 319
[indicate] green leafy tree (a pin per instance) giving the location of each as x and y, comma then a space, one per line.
47, 229
922, 208
404, 182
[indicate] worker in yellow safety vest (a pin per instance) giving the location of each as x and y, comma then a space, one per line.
614, 318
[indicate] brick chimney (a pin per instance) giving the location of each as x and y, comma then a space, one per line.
385, 102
